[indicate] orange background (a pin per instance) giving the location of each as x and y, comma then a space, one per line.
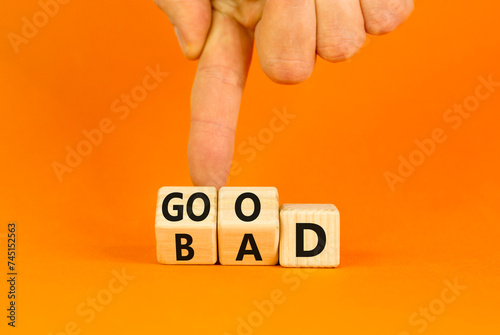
352, 122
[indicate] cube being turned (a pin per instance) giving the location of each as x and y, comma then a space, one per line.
248, 225
186, 225
309, 235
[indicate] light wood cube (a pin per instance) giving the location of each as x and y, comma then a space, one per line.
309, 235
186, 225
248, 225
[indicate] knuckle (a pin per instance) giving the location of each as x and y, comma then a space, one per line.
223, 74
340, 45
213, 128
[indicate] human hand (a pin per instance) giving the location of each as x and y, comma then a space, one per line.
288, 35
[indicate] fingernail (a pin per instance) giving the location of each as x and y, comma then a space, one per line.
181, 40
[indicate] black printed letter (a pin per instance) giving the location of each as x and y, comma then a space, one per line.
300, 252
254, 251
179, 246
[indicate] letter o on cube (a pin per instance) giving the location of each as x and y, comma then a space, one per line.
248, 225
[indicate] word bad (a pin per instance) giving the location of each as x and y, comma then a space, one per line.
243, 226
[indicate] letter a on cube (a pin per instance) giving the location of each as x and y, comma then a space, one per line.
186, 225
309, 235
248, 225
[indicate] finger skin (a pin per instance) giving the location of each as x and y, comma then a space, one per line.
383, 16
215, 100
341, 32
286, 40
191, 20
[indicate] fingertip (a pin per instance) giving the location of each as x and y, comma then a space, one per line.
191, 46
287, 72
383, 16
191, 20
203, 180
287, 56
207, 172
210, 152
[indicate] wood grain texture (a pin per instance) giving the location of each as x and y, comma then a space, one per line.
204, 233
324, 215
264, 229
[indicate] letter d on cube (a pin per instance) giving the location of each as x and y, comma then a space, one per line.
309, 235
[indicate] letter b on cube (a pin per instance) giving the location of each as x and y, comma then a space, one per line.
186, 225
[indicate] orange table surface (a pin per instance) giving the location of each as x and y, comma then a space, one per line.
419, 227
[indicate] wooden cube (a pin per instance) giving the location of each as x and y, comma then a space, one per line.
248, 225
309, 235
186, 225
